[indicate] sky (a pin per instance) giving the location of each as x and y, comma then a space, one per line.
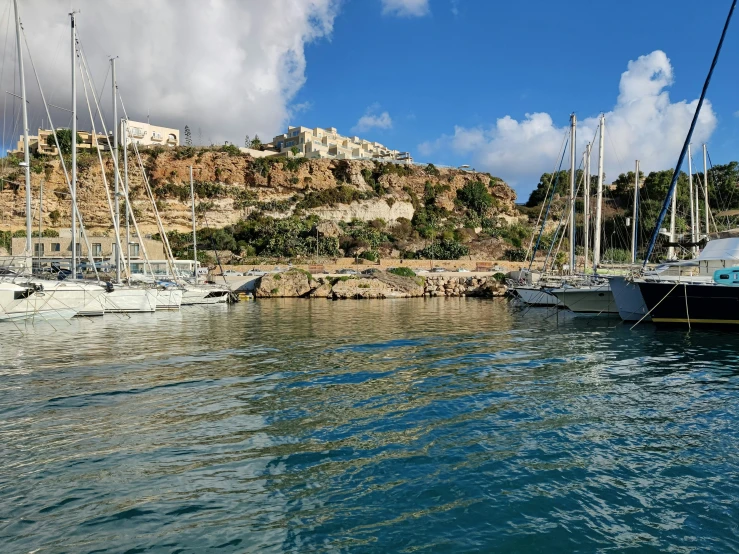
487, 83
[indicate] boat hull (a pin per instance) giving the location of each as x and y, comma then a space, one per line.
691, 303
629, 300
169, 299
594, 300
195, 295
131, 300
535, 296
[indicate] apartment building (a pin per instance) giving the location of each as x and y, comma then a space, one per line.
40, 142
102, 247
145, 134
328, 143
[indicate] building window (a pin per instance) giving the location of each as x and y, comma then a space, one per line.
56, 247
134, 249
97, 249
38, 249
295, 134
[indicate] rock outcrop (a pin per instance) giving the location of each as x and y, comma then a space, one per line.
296, 283
230, 186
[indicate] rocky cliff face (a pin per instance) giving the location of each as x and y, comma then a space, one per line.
230, 186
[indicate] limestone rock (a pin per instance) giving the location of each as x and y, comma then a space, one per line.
290, 284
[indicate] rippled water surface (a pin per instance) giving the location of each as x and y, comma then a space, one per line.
370, 426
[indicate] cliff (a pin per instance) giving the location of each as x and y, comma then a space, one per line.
231, 186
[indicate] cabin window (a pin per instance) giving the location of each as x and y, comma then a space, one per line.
723, 276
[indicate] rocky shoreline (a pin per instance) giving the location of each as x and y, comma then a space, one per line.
297, 283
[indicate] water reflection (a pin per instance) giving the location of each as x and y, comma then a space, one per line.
431, 425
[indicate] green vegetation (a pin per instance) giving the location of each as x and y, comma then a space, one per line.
342, 194
475, 196
64, 136
231, 150
444, 249
402, 271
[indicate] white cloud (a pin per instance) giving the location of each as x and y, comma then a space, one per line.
455, 7
226, 67
373, 120
644, 124
405, 8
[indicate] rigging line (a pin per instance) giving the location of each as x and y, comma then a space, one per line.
563, 149
75, 208
116, 228
549, 205
83, 60
680, 159
2, 72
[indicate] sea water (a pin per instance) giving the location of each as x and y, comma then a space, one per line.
436, 425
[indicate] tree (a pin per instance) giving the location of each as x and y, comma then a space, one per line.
64, 136
295, 150
625, 184
256, 143
475, 196
188, 136
247, 142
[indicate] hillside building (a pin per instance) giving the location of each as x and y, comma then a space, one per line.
328, 143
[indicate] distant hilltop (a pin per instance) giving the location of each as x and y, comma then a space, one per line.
231, 186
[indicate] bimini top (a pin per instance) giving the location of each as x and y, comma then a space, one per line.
721, 249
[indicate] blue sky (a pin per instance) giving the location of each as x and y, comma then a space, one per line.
470, 62
488, 83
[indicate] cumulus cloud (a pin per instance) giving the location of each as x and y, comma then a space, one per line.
405, 8
644, 124
373, 120
224, 67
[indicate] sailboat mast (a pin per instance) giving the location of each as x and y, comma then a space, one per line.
74, 148
24, 109
586, 205
573, 131
116, 192
635, 214
194, 234
124, 129
692, 201
599, 195
705, 188
671, 249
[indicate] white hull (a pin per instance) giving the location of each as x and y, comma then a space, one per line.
204, 295
131, 300
594, 299
629, 301
169, 299
18, 303
535, 296
58, 299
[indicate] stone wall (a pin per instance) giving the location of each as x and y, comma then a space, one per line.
463, 286
300, 284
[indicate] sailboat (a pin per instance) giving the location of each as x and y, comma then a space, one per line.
593, 295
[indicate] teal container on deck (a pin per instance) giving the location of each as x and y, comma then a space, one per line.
728, 277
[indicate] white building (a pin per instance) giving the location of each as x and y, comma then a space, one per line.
145, 134
328, 143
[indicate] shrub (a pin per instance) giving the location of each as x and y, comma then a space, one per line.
444, 250
402, 271
500, 277
64, 136
370, 255
430, 169
617, 255
475, 196
330, 197
515, 255
231, 149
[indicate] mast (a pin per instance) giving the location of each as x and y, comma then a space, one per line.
124, 128
671, 249
705, 188
692, 202
116, 192
24, 109
635, 214
40, 212
586, 205
573, 131
599, 195
194, 234
73, 266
